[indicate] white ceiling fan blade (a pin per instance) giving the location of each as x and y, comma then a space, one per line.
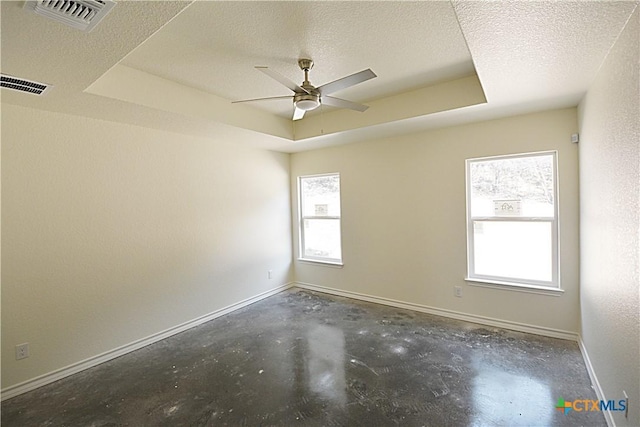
343, 103
346, 82
282, 79
263, 99
298, 113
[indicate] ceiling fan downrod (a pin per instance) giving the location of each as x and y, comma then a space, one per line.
310, 100
305, 65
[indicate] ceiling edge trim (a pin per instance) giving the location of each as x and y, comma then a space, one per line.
137, 87
450, 95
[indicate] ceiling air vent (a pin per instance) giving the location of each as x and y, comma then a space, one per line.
80, 14
22, 85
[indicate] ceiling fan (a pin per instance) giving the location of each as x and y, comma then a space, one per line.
307, 97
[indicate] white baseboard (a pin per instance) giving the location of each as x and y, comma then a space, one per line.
498, 323
594, 381
58, 374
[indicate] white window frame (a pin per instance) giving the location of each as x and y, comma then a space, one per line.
302, 218
554, 284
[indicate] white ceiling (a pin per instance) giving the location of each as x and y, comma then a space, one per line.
177, 65
395, 40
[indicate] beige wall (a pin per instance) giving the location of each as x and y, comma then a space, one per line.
610, 222
403, 207
113, 232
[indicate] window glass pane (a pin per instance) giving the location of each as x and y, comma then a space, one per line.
322, 238
519, 186
320, 195
513, 249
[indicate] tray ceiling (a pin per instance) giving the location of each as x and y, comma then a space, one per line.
177, 65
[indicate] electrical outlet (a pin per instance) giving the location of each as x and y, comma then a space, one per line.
270, 274
457, 291
22, 351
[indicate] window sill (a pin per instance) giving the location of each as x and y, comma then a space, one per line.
333, 264
517, 287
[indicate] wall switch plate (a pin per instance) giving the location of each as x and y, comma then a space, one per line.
270, 274
457, 291
22, 351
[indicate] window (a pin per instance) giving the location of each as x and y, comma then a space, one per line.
320, 218
512, 219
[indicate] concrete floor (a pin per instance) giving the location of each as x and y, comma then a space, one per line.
309, 359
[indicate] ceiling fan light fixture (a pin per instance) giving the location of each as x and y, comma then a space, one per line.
306, 101
307, 105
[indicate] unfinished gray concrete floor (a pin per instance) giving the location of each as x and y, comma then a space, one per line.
309, 359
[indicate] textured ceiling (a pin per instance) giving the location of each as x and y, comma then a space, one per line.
531, 51
37, 48
408, 45
175, 65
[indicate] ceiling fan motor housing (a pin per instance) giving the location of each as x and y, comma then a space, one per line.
307, 101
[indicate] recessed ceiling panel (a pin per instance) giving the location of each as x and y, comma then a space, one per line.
214, 46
